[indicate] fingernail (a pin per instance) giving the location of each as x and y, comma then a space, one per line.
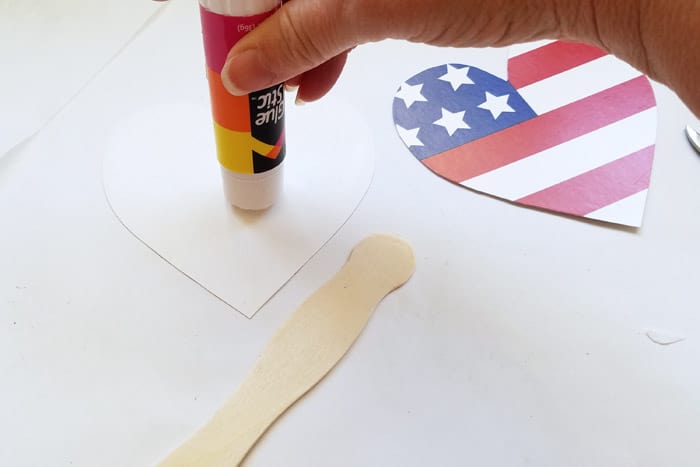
299, 101
244, 73
293, 82
290, 88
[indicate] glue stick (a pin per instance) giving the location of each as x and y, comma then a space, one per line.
249, 130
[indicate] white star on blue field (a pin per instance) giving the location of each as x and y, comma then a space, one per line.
450, 105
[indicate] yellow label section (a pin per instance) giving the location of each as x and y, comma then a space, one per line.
235, 149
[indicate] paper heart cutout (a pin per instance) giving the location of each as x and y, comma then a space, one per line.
162, 181
573, 130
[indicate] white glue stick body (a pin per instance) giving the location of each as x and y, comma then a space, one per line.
249, 130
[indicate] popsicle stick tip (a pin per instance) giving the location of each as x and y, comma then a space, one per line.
389, 256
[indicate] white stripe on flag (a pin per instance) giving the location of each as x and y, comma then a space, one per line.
520, 49
569, 159
577, 83
627, 211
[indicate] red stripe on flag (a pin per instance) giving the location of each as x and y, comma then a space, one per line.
549, 60
597, 188
546, 131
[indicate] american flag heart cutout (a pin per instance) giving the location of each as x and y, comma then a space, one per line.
573, 130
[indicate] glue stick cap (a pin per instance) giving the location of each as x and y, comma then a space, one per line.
253, 192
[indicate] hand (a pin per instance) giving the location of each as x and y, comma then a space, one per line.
306, 42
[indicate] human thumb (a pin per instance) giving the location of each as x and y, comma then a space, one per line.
297, 38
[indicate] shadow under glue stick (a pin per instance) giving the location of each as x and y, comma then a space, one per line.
249, 130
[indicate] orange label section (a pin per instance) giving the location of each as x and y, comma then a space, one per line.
229, 111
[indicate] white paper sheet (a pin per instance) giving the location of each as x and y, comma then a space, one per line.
49, 50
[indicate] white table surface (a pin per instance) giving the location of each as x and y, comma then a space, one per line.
520, 340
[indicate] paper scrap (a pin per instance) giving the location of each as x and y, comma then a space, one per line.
662, 337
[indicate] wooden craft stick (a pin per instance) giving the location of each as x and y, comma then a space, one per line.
301, 353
